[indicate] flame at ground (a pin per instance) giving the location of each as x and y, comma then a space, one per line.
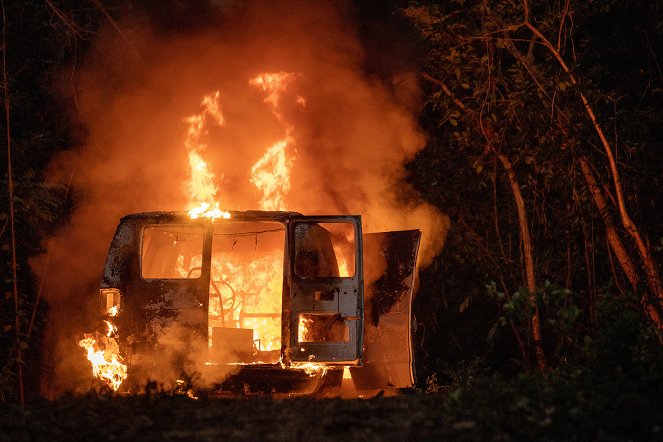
104, 355
310, 368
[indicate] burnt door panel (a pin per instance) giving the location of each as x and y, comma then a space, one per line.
322, 314
389, 262
167, 299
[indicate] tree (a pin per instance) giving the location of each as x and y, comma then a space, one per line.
515, 84
39, 38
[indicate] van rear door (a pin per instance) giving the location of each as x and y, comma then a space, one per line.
323, 306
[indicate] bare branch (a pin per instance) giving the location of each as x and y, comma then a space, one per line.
113, 23
445, 89
565, 13
10, 186
65, 18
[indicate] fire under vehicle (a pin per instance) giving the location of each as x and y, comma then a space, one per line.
275, 302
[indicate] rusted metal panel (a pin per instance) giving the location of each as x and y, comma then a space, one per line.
154, 306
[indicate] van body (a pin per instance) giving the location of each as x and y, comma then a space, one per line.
268, 302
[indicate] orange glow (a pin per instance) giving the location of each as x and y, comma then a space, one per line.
258, 288
346, 373
200, 187
107, 364
271, 175
342, 263
274, 83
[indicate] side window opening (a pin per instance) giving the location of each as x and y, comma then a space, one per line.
324, 250
171, 251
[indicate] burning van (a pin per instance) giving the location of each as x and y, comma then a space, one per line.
261, 302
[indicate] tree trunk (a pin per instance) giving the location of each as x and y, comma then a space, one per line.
524, 234
613, 238
529, 261
651, 271
10, 186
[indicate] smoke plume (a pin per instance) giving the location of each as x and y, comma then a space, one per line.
351, 133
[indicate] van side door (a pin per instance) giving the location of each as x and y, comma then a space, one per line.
390, 267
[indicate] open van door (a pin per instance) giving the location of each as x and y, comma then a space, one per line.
389, 261
323, 311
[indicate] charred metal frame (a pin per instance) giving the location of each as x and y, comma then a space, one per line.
388, 297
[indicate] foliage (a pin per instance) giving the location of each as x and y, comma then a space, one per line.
38, 43
561, 309
601, 397
611, 391
493, 90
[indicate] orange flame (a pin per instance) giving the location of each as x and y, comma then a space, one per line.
107, 364
271, 173
303, 328
200, 186
310, 368
274, 83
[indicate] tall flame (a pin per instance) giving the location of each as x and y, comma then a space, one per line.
200, 187
271, 173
